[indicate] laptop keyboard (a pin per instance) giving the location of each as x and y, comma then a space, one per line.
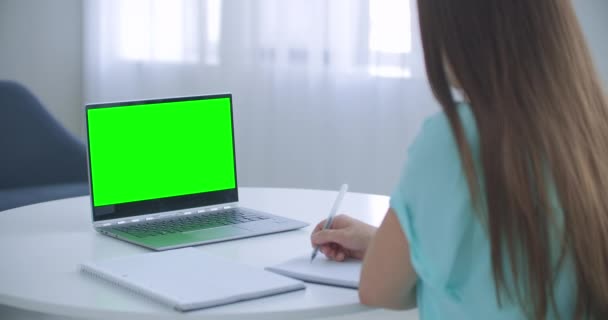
190, 223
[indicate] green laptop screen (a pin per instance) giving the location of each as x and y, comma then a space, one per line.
151, 151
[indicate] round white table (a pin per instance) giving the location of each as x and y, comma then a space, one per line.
41, 246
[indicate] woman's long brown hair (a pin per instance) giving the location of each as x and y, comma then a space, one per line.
542, 119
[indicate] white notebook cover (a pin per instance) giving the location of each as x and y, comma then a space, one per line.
321, 270
188, 279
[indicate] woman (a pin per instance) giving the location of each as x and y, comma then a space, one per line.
501, 210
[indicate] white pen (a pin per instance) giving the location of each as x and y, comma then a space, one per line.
332, 213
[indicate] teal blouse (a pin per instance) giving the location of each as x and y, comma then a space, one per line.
449, 247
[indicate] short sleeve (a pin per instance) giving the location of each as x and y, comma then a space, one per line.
432, 200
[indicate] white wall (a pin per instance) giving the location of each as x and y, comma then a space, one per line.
593, 16
41, 47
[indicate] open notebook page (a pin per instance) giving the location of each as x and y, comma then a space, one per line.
321, 270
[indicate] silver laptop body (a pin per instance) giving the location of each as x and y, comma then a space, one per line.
198, 216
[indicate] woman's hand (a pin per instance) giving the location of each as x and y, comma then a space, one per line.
346, 238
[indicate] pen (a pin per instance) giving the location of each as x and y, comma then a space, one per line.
330, 218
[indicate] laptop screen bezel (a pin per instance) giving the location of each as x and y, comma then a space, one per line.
138, 208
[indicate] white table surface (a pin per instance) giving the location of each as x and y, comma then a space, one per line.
41, 246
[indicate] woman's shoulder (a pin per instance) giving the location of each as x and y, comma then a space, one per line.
433, 158
437, 132
432, 200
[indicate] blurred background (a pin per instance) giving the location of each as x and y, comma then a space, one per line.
325, 92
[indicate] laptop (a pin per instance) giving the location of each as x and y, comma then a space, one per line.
162, 173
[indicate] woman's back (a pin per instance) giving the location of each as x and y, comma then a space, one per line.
542, 123
449, 245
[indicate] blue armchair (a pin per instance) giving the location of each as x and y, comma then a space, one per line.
39, 159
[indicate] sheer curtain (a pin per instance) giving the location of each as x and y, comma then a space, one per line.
325, 91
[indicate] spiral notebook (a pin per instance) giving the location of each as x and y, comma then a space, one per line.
188, 279
321, 270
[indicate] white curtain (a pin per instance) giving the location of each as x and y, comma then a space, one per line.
325, 91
